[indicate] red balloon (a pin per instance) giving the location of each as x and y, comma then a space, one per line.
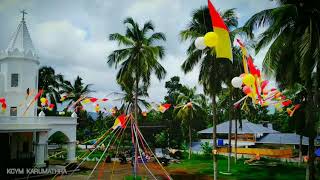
246, 90
2, 100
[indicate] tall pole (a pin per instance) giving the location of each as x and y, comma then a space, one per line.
230, 133
236, 135
214, 138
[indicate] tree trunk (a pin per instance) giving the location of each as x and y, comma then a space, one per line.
229, 139
136, 120
311, 115
189, 141
311, 171
310, 118
300, 150
236, 136
136, 101
214, 138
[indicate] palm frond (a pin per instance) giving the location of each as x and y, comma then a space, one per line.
121, 39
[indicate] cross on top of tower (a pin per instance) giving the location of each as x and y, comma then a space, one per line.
23, 12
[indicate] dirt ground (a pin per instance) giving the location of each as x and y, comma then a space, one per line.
116, 171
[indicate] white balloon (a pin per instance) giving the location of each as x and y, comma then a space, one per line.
199, 43
236, 82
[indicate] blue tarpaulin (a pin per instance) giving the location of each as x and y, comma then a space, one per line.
317, 152
220, 142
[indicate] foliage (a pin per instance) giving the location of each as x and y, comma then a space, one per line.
139, 57
207, 149
58, 138
50, 83
75, 90
127, 100
161, 139
190, 109
174, 88
292, 31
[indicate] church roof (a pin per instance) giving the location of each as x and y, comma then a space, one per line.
21, 39
20, 44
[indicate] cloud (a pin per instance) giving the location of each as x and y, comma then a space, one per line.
67, 44
72, 37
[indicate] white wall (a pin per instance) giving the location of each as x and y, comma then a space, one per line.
28, 74
1, 83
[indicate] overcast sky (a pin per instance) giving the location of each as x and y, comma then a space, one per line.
71, 35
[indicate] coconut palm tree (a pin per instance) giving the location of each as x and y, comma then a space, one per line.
213, 71
138, 55
293, 35
127, 98
75, 91
50, 83
189, 104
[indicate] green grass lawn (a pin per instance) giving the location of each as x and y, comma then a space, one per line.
240, 171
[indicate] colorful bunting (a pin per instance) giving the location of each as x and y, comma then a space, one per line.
120, 122
164, 107
292, 110
97, 108
63, 98
36, 97
50, 107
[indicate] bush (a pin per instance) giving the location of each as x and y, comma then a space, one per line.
161, 139
207, 149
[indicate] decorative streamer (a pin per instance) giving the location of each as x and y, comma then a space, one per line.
36, 97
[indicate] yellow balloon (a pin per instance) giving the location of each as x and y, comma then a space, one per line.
43, 100
248, 79
211, 39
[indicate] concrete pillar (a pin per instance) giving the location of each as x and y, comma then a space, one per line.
46, 152
71, 148
40, 149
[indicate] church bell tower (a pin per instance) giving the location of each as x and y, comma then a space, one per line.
19, 65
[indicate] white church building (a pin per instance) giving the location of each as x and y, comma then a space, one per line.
24, 136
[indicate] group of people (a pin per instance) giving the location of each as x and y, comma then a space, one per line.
145, 157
